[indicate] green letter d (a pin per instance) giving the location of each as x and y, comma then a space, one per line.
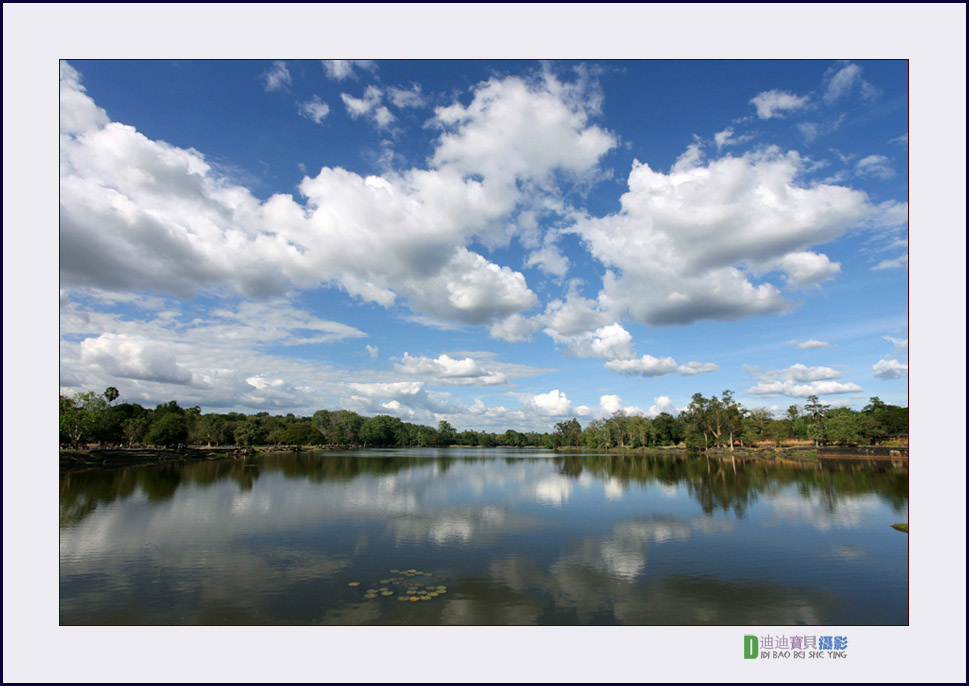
750, 647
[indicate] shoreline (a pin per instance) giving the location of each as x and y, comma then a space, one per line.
123, 457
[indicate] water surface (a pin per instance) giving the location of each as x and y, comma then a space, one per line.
513, 536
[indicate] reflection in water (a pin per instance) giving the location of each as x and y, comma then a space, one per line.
529, 538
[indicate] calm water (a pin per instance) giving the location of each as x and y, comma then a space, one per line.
510, 537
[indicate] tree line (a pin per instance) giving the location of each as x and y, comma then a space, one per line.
714, 422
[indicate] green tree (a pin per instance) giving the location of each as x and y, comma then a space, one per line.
816, 411
446, 435
299, 433
170, 428
111, 394
568, 433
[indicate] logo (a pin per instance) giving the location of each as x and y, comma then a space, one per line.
750, 647
795, 647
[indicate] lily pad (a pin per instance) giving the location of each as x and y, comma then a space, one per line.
354, 583
414, 598
386, 593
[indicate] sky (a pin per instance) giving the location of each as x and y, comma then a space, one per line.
497, 244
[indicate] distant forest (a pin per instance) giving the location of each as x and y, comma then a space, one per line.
94, 418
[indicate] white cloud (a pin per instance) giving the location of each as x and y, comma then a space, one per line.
342, 69
877, 166
143, 215
647, 365
800, 372
901, 344
900, 262
315, 110
661, 404
373, 351
514, 329
691, 368
572, 316
801, 381
805, 269
842, 82
401, 97
132, 357
610, 403
551, 404
369, 107
686, 243
447, 370
901, 140
550, 260
795, 390
726, 137
890, 369
513, 130
209, 354
277, 77
605, 343
775, 103
811, 344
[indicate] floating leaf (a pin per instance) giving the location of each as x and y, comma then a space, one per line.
402, 599
414, 598
354, 583
387, 593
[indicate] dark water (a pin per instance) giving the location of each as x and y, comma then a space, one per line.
510, 537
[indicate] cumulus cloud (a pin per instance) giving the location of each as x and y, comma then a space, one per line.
796, 390
605, 343
406, 399
610, 403
209, 353
550, 260
315, 109
513, 329
342, 69
890, 369
776, 103
661, 404
513, 129
551, 404
685, 245
373, 351
143, 215
647, 365
448, 370
277, 77
801, 381
131, 357
573, 316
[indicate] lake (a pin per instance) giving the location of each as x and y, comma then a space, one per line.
484, 537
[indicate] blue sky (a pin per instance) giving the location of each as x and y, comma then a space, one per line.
499, 244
